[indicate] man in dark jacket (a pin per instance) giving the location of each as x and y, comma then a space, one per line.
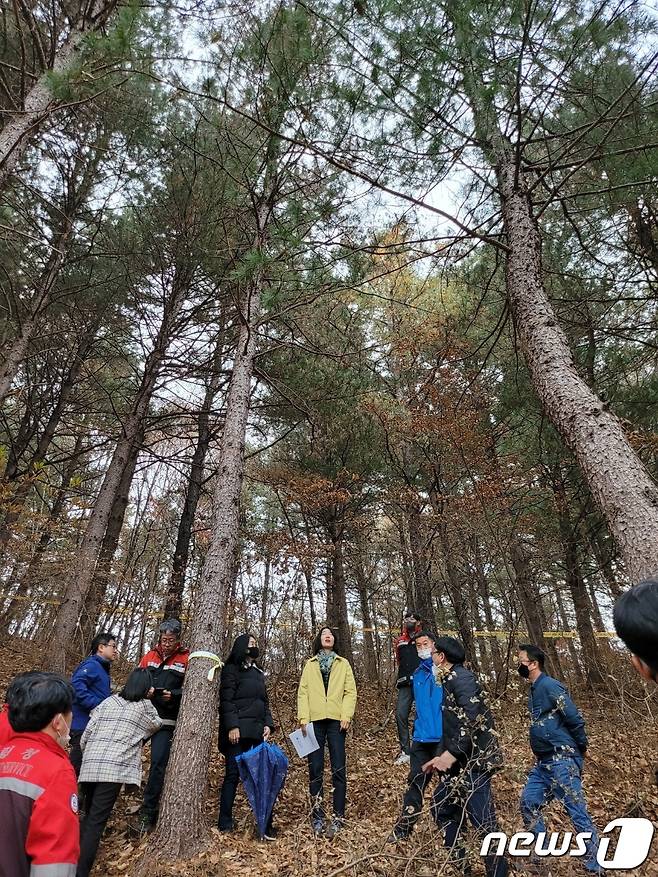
470, 755
167, 663
91, 683
406, 658
427, 736
39, 827
245, 719
559, 743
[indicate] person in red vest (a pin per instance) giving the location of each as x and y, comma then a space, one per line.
406, 660
39, 828
167, 663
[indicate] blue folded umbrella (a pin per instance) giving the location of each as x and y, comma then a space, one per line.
263, 772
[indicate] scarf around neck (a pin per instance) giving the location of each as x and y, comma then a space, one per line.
326, 660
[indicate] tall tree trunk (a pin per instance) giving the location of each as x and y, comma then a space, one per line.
182, 824
264, 605
620, 484
369, 658
39, 103
12, 473
174, 599
485, 596
338, 619
133, 425
97, 592
422, 589
574, 578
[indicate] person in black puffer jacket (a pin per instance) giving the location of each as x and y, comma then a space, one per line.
245, 719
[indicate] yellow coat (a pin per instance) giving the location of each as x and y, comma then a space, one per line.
340, 700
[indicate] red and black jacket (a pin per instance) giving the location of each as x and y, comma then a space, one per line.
39, 829
167, 673
406, 656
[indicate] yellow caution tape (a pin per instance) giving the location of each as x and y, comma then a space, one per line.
217, 662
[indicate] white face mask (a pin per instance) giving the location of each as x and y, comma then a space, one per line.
423, 654
62, 739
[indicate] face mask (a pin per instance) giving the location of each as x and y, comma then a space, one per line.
410, 625
253, 652
62, 739
424, 654
524, 671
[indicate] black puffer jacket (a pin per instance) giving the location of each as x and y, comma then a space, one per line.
468, 726
243, 701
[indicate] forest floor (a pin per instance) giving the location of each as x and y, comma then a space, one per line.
619, 781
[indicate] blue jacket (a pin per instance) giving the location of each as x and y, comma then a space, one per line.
557, 727
91, 683
428, 726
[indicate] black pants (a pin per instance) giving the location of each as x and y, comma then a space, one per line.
160, 749
467, 794
402, 712
327, 731
231, 780
75, 752
417, 781
99, 799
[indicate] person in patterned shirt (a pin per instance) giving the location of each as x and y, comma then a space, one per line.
111, 756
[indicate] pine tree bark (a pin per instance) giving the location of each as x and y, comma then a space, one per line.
620, 484
338, 620
39, 103
82, 576
422, 589
182, 824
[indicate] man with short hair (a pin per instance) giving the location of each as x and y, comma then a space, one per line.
559, 743
167, 663
39, 828
635, 618
470, 756
407, 660
427, 736
91, 683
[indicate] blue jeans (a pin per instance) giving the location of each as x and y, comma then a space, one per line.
467, 793
559, 779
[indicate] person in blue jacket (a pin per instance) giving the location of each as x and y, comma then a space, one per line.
91, 684
427, 736
559, 743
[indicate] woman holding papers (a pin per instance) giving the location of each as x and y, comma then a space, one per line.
327, 698
245, 719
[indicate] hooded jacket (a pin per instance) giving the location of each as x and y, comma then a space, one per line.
91, 683
556, 727
337, 702
243, 700
428, 726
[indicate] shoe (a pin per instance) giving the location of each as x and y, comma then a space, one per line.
335, 827
271, 834
402, 758
398, 834
318, 826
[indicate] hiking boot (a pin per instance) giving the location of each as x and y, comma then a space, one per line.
145, 824
318, 826
334, 827
397, 835
402, 758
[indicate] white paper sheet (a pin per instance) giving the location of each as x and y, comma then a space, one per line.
304, 744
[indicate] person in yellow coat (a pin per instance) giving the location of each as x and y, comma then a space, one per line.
327, 697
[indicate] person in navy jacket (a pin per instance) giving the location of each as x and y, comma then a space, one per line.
559, 743
427, 735
91, 684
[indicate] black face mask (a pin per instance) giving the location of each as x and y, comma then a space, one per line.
253, 652
411, 626
524, 671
